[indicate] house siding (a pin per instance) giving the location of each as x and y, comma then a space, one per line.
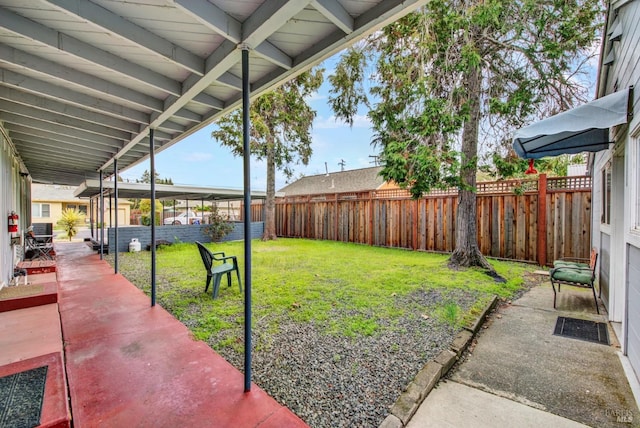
633, 315
619, 242
14, 196
604, 257
624, 71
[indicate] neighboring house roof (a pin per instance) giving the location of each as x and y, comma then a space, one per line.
53, 193
356, 180
59, 193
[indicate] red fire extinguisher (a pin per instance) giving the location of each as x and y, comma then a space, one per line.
13, 222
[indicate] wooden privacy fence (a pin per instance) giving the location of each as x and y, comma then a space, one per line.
535, 220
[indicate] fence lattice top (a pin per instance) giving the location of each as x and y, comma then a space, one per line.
517, 187
569, 183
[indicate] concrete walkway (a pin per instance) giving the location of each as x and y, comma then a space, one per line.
521, 375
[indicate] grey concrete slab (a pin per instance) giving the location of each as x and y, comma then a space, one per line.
456, 405
519, 374
570, 299
519, 358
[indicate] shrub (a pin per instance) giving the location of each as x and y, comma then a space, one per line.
218, 226
145, 219
145, 209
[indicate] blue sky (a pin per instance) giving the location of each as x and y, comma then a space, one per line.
200, 160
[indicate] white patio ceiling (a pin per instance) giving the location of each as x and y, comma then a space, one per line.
82, 82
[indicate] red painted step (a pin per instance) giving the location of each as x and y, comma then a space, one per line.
34, 267
27, 296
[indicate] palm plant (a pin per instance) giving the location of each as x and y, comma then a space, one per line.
70, 221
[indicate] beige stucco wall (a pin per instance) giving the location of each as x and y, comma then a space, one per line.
124, 215
56, 208
55, 211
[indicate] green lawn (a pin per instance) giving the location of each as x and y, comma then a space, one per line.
348, 289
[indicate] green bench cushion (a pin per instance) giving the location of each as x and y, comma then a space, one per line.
580, 276
566, 263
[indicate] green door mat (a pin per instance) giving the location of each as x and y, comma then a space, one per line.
21, 396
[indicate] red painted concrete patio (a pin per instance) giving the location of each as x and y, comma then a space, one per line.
126, 363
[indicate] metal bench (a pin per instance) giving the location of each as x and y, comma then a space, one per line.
575, 272
215, 272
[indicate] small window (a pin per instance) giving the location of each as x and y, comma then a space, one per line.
40, 210
77, 207
606, 195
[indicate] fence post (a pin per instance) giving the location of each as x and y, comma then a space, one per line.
542, 220
308, 222
414, 224
336, 216
371, 217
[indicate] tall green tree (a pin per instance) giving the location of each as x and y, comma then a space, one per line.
146, 178
281, 123
441, 72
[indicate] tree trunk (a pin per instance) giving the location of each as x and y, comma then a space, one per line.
270, 202
467, 252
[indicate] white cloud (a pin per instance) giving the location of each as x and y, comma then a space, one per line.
364, 162
197, 157
315, 97
319, 143
331, 122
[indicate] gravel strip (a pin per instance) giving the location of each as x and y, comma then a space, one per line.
332, 381
335, 381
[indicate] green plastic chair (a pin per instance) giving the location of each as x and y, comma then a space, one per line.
214, 271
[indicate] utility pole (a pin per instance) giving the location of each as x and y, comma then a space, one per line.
342, 163
376, 160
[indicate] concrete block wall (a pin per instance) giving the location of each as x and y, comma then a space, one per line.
179, 233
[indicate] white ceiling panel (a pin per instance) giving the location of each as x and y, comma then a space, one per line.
93, 77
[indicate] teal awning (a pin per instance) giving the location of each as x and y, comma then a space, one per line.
582, 129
